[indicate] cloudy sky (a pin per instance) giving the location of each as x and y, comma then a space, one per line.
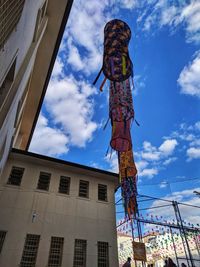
165, 50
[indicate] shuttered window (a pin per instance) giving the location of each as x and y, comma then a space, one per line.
44, 181
16, 175
84, 189
102, 192
64, 185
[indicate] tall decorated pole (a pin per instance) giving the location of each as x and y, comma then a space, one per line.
118, 69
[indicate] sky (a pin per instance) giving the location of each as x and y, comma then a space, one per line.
165, 51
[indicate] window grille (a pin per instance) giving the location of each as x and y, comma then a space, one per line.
16, 176
2, 238
84, 189
80, 249
56, 250
44, 180
10, 13
29, 254
103, 254
64, 185
102, 192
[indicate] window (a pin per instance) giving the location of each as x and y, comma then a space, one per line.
2, 238
44, 180
55, 253
64, 185
84, 189
7, 82
10, 13
16, 176
103, 254
80, 253
29, 254
102, 192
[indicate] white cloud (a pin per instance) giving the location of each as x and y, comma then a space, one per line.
165, 13
189, 79
169, 160
128, 4
70, 105
148, 172
48, 141
197, 125
189, 134
191, 15
168, 146
188, 213
112, 159
152, 153
193, 153
151, 159
83, 39
141, 165
58, 68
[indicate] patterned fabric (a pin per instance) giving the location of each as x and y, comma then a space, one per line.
117, 65
120, 101
127, 166
128, 187
121, 136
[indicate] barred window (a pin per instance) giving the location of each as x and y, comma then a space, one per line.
2, 238
84, 189
80, 250
103, 254
64, 185
56, 251
29, 254
44, 181
102, 192
10, 13
16, 175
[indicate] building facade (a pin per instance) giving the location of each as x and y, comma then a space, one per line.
30, 33
56, 213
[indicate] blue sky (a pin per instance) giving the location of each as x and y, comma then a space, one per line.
165, 50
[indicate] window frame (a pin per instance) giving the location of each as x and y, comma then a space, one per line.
81, 194
106, 192
30, 250
56, 251
80, 253
100, 258
39, 181
62, 191
10, 179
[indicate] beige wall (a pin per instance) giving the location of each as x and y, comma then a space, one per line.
61, 215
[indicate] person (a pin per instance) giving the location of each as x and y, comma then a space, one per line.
165, 263
127, 263
170, 263
183, 265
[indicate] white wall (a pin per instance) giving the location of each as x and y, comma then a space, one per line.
61, 215
18, 44
20, 39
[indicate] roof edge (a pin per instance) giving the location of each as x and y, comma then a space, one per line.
63, 162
